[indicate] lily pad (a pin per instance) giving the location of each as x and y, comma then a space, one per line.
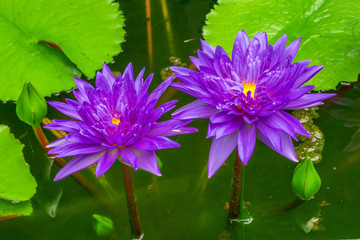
48, 42
16, 181
329, 29
9, 209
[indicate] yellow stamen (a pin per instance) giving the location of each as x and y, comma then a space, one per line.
115, 121
249, 87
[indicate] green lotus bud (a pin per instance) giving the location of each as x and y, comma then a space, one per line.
103, 226
306, 181
31, 108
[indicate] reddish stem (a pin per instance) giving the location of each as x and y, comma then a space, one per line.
149, 32
235, 208
59, 161
131, 203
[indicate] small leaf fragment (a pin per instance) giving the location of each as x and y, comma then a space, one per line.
16, 181
13, 209
103, 226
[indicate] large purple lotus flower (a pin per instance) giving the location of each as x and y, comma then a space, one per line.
115, 120
245, 97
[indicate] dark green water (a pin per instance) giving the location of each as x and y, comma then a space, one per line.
184, 203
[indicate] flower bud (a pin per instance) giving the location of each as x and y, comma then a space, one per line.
31, 108
306, 181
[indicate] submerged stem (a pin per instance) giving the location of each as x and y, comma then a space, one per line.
136, 232
235, 205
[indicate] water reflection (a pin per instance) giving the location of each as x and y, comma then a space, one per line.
350, 113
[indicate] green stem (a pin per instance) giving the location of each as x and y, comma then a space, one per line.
136, 232
236, 196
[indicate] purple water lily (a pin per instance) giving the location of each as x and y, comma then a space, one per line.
115, 120
245, 97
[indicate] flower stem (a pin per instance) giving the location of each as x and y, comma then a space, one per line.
149, 32
236, 198
59, 161
136, 232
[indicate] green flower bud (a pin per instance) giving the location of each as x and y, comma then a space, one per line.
306, 181
103, 226
31, 108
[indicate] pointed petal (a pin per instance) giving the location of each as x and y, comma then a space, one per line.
242, 42
195, 61
246, 141
195, 104
63, 125
312, 99
128, 157
195, 109
221, 117
271, 134
292, 48
180, 130
102, 82
147, 160
153, 143
201, 112
139, 80
167, 106
82, 85
162, 127
299, 92
294, 123
287, 146
57, 142
145, 86
220, 150
190, 88
286, 123
106, 72
106, 161
65, 109
128, 76
78, 149
78, 163
307, 75
160, 89
227, 128
278, 50
207, 48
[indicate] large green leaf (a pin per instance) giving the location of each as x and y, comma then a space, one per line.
83, 33
330, 31
16, 181
9, 209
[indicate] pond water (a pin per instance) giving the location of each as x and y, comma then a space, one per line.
183, 203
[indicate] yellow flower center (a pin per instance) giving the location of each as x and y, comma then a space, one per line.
115, 121
249, 87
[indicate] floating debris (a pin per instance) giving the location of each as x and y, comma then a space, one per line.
166, 71
311, 147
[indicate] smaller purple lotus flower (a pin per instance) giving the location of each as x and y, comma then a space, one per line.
116, 120
245, 97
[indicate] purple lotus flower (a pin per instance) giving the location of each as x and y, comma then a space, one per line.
245, 97
115, 120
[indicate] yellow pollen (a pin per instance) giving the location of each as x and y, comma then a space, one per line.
249, 87
115, 121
